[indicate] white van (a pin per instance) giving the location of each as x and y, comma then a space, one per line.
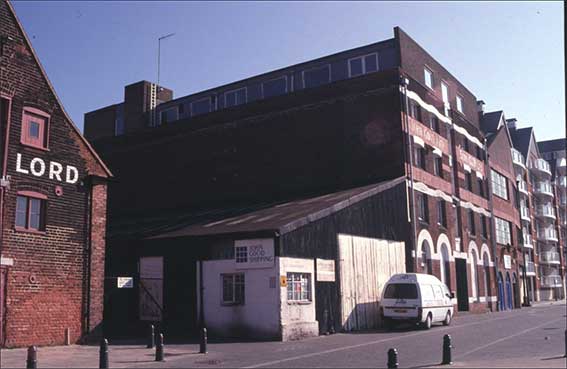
416, 298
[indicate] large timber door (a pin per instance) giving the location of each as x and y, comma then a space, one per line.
462, 284
3, 281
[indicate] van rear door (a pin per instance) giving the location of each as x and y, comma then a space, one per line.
401, 300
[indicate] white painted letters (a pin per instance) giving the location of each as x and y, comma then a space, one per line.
55, 170
37, 167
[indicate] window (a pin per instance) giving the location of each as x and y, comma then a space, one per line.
34, 128
406, 291
414, 110
362, 65
241, 254
502, 231
480, 186
484, 226
169, 115
438, 167
317, 76
472, 228
422, 208
119, 120
459, 104
499, 185
419, 157
479, 153
428, 76
434, 123
181, 109
441, 213
232, 289
235, 97
444, 93
298, 287
30, 212
201, 106
274, 87
468, 181
466, 144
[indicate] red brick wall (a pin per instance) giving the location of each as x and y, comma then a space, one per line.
46, 286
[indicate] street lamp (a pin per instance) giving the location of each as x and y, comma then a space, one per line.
159, 54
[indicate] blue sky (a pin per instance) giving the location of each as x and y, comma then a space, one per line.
509, 54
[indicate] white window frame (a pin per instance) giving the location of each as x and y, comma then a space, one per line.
241, 254
445, 97
363, 59
176, 108
234, 284
273, 79
291, 282
503, 233
245, 88
459, 101
198, 101
427, 70
315, 68
499, 184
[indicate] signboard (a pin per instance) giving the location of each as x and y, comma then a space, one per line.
325, 270
507, 262
151, 288
125, 282
53, 170
254, 254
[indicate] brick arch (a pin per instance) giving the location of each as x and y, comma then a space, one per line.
485, 250
424, 235
443, 239
473, 246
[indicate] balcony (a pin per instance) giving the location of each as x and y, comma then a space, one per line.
547, 234
561, 165
549, 257
541, 166
530, 268
561, 182
518, 158
543, 188
546, 212
525, 213
551, 281
528, 241
523, 187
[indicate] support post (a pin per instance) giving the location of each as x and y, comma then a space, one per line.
203, 344
447, 356
159, 348
103, 354
392, 358
31, 362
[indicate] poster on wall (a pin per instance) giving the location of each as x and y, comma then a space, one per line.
151, 288
254, 254
507, 262
325, 270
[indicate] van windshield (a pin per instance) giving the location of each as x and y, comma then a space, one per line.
401, 291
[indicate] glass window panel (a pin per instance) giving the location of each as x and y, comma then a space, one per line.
316, 77
34, 128
371, 63
21, 211
275, 87
428, 79
355, 67
201, 106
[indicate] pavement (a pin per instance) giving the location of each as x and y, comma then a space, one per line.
531, 337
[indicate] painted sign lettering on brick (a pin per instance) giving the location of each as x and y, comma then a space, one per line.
54, 170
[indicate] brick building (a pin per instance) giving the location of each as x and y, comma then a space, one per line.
357, 118
52, 207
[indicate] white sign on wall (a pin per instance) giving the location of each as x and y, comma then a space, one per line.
253, 254
325, 270
125, 282
507, 262
54, 170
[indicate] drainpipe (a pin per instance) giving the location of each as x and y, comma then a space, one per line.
404, 84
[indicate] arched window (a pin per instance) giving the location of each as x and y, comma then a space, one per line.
486, 265
474, 275
445, 266
426, 262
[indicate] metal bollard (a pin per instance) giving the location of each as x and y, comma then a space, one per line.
103, 354
203, 344
392, 358
151, 337
159, 348
31, 362
566, 343
447, 357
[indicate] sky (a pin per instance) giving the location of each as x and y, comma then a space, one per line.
509, 54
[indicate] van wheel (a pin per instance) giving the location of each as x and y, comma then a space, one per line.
427, 323
447, 320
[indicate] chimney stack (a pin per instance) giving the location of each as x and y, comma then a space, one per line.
480, 106
511, 123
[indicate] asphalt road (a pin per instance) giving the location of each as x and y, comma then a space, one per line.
529, 337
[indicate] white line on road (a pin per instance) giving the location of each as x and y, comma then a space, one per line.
373, 343
507, 338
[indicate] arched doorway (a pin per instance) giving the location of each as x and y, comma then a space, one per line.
426, 261
515, 291
474, 275
501, 299
509, 295
486, 268
445, 265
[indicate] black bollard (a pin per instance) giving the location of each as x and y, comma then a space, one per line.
31, 362
566, 343
447, 357
392, 358
151, 337
103, 354
203, 344
159, 348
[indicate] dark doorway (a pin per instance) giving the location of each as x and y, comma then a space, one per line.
462, 284
2, 304
326, 306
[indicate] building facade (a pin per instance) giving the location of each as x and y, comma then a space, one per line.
52, 207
